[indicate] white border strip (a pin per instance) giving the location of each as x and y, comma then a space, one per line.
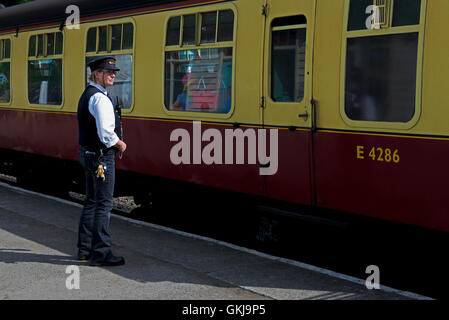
306, 266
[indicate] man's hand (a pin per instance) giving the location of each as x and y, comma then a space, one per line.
121, 147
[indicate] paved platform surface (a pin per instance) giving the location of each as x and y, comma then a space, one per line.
38, 243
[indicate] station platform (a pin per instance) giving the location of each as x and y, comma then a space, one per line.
38, 236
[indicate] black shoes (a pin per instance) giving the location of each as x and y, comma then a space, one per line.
110, 261
84, 257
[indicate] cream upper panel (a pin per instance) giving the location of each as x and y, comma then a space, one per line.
432, 65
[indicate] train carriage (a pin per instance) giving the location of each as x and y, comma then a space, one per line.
333, 105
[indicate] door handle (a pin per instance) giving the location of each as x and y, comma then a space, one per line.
304, 115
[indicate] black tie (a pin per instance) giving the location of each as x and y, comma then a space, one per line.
110, 98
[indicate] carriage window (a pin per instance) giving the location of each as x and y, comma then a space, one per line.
5, 49
51, 44
128, 38
45, 68
379, 91
32, 46
110, 38
367, 14
406, 12
358, 14
40, 45
381, 71
199, 79
5, 70
58, 43
288, 62
5, 76
225, 26
208, 27
116, 37
48, 44
119, 40
174, 25
102, 39
215, 26
91, 45
188, 30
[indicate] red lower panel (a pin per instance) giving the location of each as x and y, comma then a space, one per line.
292, 180
50, 134
149, 148
409, 183
403, 179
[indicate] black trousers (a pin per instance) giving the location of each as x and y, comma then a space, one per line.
93, 234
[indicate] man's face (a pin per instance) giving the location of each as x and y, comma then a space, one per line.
108, 76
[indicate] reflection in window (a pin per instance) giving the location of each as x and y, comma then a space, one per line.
406, 12
58, 43
40, 45
116, 37
51, 44
174, 25
381, 77
211, 29
54, 43
199, 80
91, 45
103, 38
208, 27
188, 34
128, 36
45, 81
45, 68
5, 49
5, 70
5, 75
121, 91
113, 37
358, 15
225, 26
288, 65
32, 47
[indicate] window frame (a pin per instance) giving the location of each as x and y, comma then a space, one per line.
269, 94
45, 57
388, 30
111, 52
198, 46
10, 38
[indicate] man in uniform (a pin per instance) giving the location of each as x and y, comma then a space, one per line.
100, 137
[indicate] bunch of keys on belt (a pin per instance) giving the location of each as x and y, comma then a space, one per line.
102, 168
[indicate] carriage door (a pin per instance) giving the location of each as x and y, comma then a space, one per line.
286, 102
